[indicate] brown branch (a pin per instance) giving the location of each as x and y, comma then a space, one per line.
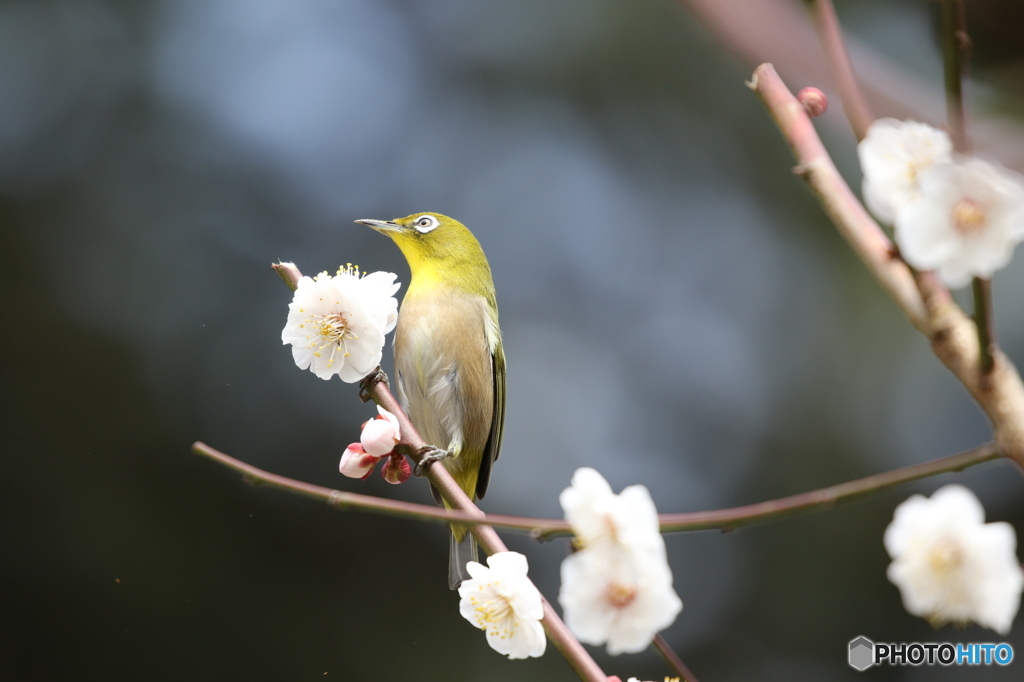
953, 335
544, 529
857, 109
985, 322
672, 658
379, 505
728, 519
955, 46
850, 217
955, 43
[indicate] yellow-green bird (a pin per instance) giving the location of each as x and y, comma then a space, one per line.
448, 358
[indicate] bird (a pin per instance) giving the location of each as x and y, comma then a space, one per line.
449, 361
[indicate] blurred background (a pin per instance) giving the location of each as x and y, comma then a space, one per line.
677, 312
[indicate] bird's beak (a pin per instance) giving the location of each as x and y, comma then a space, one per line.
383, 226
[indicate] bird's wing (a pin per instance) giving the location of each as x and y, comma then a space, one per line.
493, 447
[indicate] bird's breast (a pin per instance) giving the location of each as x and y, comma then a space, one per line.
444, 369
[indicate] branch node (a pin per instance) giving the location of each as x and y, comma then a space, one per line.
371, 380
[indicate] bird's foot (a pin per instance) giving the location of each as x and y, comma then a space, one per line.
430, 455
369, 381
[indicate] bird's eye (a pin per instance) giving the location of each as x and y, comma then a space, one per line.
426, 224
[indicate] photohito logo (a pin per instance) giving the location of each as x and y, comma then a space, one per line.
863, 653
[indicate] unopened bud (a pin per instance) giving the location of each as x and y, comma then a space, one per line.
396, 470
378, 437
814, 101
356, 462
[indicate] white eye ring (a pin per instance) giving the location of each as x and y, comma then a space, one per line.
426, 223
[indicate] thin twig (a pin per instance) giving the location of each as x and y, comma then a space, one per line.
720, 519
857, 109
727, 519
339, 499
845, 210
672, 658
955, 46
985, 321
955, 43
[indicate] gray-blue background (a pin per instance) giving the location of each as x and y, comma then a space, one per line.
677, 312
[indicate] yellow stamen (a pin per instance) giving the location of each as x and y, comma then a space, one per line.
968, 216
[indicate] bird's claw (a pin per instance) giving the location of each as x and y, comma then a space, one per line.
430, 455
369, 381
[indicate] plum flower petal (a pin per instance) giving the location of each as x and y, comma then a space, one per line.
965, 222
356, 462
951, 566
380, 436
336, 325
892, 155
501, 600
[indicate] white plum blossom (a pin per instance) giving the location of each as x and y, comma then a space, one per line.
336, 325
892, 156
501, 600
599, 517
967, 219
951, 566
617, 596
617, 589
356, 462
381, 435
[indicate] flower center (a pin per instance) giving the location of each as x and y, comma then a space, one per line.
334, 328
493, 612
620, 595
946, 556
968, 216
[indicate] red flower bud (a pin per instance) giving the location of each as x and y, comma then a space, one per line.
814, 100
396, 470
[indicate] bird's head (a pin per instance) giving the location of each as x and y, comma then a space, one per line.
433, 242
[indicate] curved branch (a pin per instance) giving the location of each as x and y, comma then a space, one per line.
728, 519
544, 529
927, 304
857, 109
845, 210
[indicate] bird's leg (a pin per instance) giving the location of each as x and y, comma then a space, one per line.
430, 454
370, 380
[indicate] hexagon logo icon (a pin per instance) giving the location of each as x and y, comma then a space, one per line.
862, 653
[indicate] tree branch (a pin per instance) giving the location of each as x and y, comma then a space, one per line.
857, 109
955, 43
673, 660
845, 210
926, 303
544, 529
728, 519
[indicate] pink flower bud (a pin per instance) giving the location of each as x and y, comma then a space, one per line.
378, 437
356, 462
814, 100
384, 414
396, 470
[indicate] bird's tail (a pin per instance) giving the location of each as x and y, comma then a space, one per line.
460, 553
